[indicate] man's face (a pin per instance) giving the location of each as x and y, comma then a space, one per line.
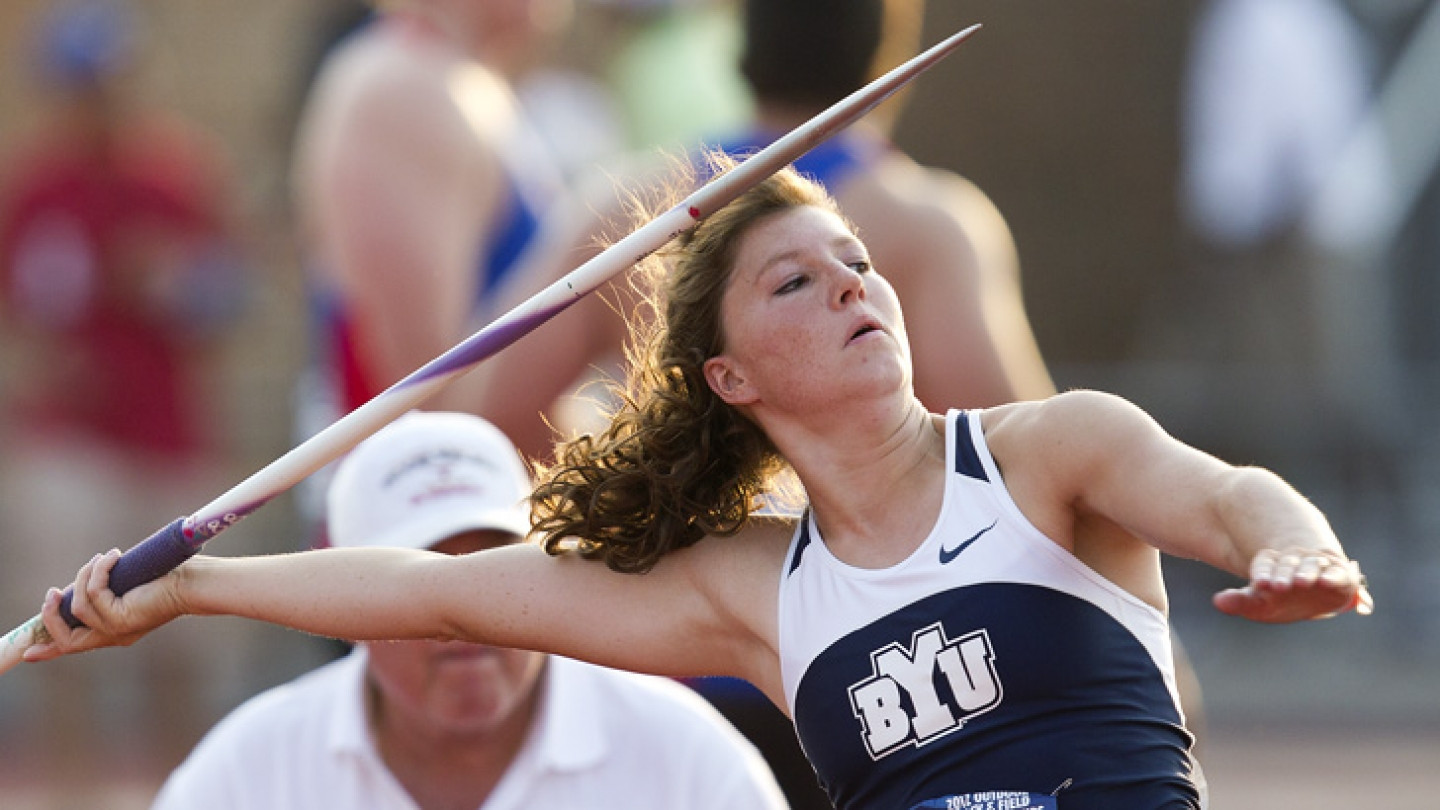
453, 687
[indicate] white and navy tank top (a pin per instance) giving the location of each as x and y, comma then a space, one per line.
989, 666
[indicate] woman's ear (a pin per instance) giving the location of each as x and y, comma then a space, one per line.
727, 381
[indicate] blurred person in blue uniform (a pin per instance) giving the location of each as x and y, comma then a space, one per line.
419, 184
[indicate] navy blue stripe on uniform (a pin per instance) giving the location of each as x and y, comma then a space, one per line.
967, 459
801, 543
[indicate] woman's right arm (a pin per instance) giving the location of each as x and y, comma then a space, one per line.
331, 592
516, 596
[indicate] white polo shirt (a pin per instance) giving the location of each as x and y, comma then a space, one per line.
603, 739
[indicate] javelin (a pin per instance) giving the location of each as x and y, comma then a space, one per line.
163, 551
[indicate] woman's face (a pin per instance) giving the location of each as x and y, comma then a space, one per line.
808, 323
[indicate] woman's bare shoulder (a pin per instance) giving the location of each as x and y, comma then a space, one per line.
729, 566
1062, 411
762, 543
1065, 437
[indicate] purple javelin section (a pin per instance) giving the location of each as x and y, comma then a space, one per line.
151, 559
161, 553
482, 344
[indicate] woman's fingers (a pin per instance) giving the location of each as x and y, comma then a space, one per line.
1364, 603
1283, 569
45, 646
100, 599
1344, 577
80, 594
1234, 601
91, 602
1297, 584
1308, 570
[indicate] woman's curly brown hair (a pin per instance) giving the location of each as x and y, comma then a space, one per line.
676, 463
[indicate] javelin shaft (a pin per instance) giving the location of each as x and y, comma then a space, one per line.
176, 542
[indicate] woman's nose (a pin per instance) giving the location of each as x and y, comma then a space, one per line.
849, 286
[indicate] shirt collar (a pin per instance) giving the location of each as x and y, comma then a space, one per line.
349, 731
568, 734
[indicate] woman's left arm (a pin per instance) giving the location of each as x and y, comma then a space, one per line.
1107, 457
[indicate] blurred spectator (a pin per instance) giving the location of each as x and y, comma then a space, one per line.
1405, 114
1275, 90
450, 724
119, 270
1274, 96
117, 257
573, 107
672, 67
419, 182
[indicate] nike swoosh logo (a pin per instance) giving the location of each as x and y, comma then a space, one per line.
946, 555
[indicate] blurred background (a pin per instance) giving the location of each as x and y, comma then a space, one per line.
1227, 211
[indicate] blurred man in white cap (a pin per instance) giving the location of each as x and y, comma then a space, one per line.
443, 724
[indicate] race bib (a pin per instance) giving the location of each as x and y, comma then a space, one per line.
990, 800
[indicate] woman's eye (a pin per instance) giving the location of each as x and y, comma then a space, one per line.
861, 266
791, 285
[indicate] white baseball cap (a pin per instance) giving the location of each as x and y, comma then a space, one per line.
424, 478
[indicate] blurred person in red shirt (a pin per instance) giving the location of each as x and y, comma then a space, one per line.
114, 248
117, 274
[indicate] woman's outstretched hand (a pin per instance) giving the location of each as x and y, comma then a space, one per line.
109, 621
1296, 584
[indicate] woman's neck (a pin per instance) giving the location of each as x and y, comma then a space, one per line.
874, 492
